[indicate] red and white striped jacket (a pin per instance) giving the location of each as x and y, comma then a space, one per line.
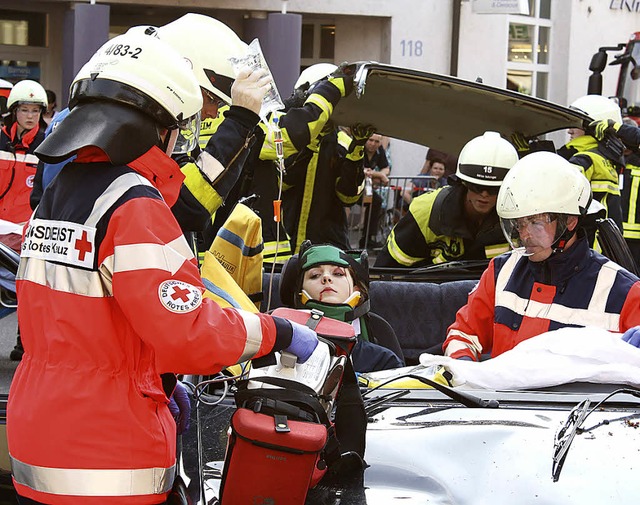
17, 170
517, 299
110, 298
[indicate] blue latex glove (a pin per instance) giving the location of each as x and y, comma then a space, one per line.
303, 342
632, 336
180, 407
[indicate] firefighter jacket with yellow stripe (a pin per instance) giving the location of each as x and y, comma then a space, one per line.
517, 299
114, 300
320, 182
630, 193
601, 170
299, 126
436, 230
17, 170
210, 172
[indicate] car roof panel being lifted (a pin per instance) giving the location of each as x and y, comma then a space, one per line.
445, 112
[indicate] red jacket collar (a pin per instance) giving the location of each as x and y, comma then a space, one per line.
154, 165
23, 143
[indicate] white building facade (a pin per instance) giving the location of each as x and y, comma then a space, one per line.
545, 53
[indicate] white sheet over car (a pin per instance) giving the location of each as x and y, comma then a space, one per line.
556, 357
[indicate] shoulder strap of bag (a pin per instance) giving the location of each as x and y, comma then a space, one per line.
350, 416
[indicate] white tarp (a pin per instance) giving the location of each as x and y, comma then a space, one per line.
553, 358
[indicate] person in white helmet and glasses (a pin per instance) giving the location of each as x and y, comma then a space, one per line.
552, 278
459, 221
115, 296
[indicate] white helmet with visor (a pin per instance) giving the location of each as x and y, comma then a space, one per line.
132, 88
598, 107
541, 188
208, 45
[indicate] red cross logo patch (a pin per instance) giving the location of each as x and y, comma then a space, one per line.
178, 296
83, 246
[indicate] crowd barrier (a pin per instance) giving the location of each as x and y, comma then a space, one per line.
394, 200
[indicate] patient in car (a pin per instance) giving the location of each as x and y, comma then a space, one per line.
325, 278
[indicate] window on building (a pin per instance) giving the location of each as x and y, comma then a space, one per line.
23, 28
528, 57
318, 42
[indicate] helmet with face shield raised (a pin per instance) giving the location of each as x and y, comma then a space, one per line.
598, 107
485, 160
539, 188
133, 89
209, 46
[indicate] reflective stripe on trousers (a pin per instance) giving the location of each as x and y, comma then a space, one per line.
94, 482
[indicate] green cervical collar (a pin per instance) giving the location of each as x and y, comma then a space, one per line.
342, 312
339, 311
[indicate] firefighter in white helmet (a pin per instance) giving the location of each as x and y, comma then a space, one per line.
115, 296
601, 163
304, 125
459, 221
210, 172
22, 133
552, 278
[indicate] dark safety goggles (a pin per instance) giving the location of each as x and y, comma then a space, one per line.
479, 188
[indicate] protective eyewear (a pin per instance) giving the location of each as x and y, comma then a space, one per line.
188, 135
213, 99
535, 229
537, 222
478, 189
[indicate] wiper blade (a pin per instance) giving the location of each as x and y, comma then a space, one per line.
466, 399
371, 405
565, 436
572, 426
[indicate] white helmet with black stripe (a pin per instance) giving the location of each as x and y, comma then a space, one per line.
132, 87
485, 160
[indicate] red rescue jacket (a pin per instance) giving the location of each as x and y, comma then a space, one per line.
17, 170
111, 297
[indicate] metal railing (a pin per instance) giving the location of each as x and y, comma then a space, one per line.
395, 199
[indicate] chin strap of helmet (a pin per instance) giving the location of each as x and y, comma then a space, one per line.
561, 242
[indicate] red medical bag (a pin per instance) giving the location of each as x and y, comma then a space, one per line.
281, 438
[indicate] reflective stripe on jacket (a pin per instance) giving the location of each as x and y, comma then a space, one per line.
630, 193
17, 171
115, 299
517, 299
435, 230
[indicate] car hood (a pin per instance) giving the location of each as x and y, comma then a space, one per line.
444, 112
424, 448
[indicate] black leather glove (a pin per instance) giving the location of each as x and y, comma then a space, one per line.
297, 98
342, 77
601, 128
521, 144
361, 133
